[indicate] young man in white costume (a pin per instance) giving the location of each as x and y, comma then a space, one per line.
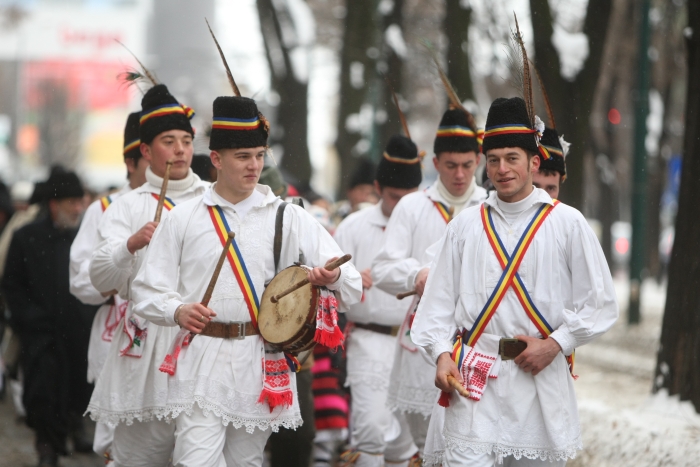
113, 307
378, 436
130, 392
515, 286
418, 221
219, 381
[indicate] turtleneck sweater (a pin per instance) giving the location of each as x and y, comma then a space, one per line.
174, 186
511, 211
456, 202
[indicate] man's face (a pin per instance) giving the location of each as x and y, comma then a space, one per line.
510, 172
456, 170
175, 145
239, 169
391, 196
66, 213
137, 171
548, 182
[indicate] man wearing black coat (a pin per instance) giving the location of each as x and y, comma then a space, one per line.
52, 325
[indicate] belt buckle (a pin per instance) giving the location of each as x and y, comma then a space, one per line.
241, 330
502, 347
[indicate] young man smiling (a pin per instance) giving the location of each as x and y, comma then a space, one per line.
226, 381
130, 387
417, 222
516, 285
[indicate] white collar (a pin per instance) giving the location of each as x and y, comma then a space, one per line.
376, 216
540, 196
212, 198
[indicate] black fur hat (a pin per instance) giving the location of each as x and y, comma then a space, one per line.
62, 185
551, 144
400, 166
454, 134
160, 112
508, 126
364, 173
237, 124
132, 138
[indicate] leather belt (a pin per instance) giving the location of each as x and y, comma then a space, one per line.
380, 328
234, 330
508, 349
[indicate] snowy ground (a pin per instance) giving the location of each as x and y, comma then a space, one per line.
622, 423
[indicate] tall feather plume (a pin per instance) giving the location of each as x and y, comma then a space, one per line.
131, 76
402, 117
527, 78
550, 114
455, 103
231, 81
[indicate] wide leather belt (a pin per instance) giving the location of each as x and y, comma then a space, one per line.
380, 328
235, 330
508, 349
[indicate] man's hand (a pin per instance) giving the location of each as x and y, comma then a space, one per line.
538, 354
322, 277
141, 238
446, 366
193, 317
366, 278
421, 279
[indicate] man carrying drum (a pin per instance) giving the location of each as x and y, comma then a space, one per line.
130, 392
232, 387
417, 222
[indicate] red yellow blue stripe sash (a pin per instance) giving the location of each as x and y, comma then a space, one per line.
221, 123
240, 271
132, 145
105, 202
444, 211
167, 204
167, 109
508, 129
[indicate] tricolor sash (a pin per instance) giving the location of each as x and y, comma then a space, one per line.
167, 203
444, 211
105, 202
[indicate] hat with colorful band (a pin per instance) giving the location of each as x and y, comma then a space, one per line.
132, 139
160, 112
400, 165
551, 143
508, 126
237, 123
454, 134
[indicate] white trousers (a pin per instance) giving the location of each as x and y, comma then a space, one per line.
143, 444
203, 440
468, 458
102, 442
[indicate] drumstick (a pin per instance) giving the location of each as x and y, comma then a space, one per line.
329, 267
403, 295
217, 270
457, 385
163, 190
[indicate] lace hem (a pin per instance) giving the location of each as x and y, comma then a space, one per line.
413, 400
404, 406
115, 418
501, 450
376, 382
292, 421
433, 459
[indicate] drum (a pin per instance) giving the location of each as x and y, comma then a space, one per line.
290, 324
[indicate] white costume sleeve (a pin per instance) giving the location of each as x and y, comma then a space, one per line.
154, 290
595, 305
346, 245
434, 324
80, 253
394, 270
112, 264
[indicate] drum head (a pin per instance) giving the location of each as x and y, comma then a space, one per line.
279, 322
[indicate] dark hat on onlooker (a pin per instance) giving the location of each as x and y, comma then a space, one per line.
272, 177
62, 185
400, 165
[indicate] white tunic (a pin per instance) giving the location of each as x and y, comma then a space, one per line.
81, 250
414, 226
224, 376
130, 387
567, 277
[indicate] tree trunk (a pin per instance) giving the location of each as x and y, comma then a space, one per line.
679, 353
394, 68
456, 26
572, 101
291, 127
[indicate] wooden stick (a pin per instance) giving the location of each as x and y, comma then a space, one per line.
402, 295
217, 270
163, 190
458, 386
329, 267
